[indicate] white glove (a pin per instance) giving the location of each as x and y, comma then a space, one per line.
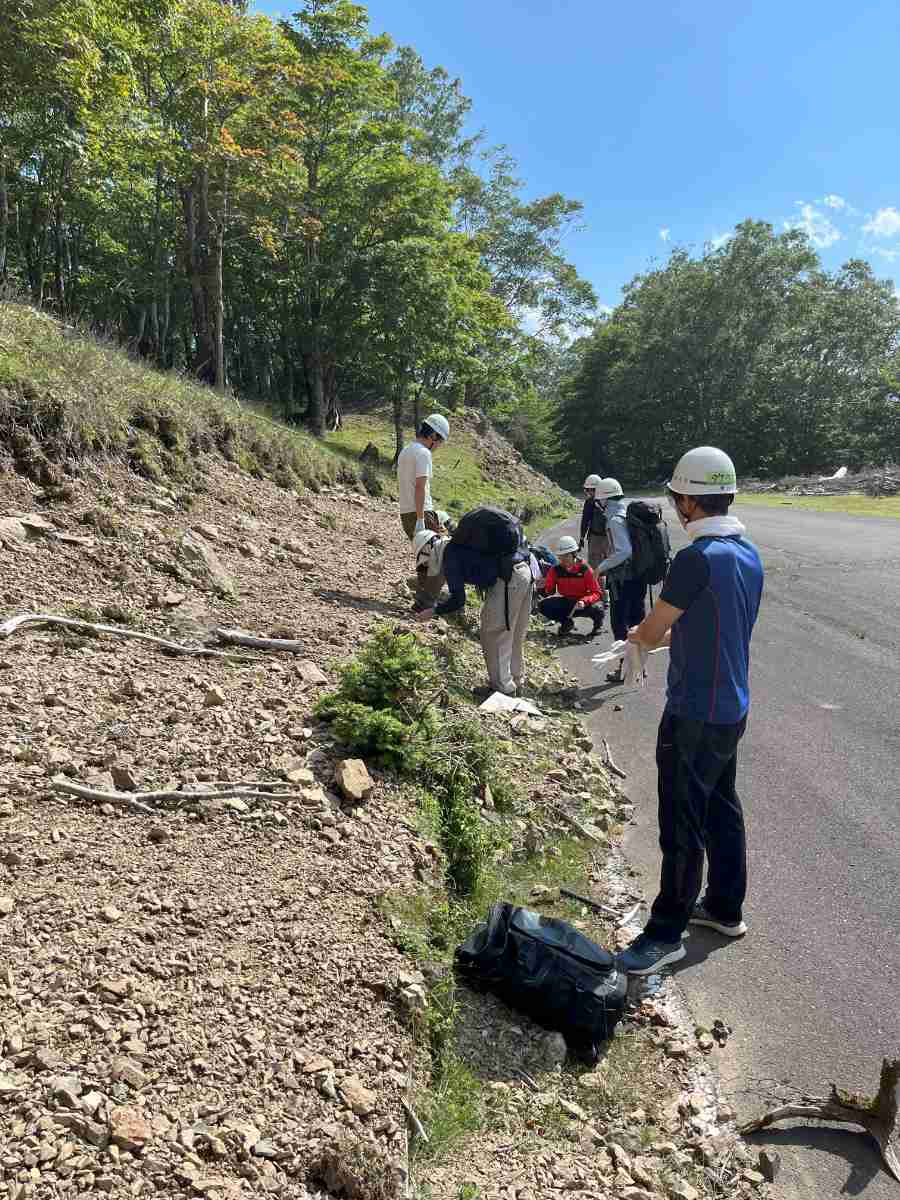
420, 525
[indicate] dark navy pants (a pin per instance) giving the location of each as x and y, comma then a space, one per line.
626, 606
558, 608
699, 815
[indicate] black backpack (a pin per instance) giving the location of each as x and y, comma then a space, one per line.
497, 534
548, 970
598, 525
651, 551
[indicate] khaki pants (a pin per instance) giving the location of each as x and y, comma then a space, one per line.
408, 521
598, 549
427, 588
504, 648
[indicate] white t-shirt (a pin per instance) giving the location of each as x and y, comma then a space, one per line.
413, 463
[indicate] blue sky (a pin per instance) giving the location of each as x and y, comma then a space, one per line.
673, 121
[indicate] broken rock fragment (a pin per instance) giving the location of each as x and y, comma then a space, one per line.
353, 779
129, 1129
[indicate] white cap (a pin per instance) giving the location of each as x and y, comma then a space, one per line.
439, 425
704, 471
592, 481
608, 488
422, 542
566, 545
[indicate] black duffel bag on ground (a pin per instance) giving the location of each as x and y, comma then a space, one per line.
545, 968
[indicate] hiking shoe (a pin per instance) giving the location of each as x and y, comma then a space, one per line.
702, 916
616, 676
566, 627
644, 955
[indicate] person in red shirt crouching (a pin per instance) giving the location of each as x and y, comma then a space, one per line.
579, 592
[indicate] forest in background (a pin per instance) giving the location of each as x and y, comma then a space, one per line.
300, 211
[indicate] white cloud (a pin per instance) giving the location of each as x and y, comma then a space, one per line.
838, 203
890, 255
816, 225
885, 223
664, 234
719, 240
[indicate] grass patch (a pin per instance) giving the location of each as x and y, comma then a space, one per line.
65, 397
854, 505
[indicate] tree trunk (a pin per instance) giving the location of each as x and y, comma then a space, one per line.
4, 217
316, 373
195, 200
397, 407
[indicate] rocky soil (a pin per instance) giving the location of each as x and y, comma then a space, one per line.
197, 1002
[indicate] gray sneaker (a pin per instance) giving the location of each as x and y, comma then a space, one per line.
644, 956
702, 916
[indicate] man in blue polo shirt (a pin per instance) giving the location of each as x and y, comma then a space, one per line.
705, 614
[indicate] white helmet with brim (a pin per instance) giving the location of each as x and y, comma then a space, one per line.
704, 471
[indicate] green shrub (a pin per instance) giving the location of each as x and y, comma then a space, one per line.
376, 734
382, 706
392, 670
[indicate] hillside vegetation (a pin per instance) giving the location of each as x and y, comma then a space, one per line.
66, 399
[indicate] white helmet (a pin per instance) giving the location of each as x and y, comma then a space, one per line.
704, 471
592, 481
608, 488
439, 425
422, 543
567, 545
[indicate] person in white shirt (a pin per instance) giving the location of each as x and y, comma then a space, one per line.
416, 507
414, 476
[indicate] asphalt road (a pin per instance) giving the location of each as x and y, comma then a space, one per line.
812, 991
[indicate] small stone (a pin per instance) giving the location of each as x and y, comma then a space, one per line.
129, 1129
682, 1190
357, 1097
7, 808
123, 778
753, 1177
769, 1164
44, 1059
127, 1071
310, 674
353, 778
676, 1049
542, 894
7, 904
296, 771
111, 914
158, 834
574, 1110
66, 1090
172, 599
132, 688
213, 697
317, 1062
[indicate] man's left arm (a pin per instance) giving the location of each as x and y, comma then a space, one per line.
656, 628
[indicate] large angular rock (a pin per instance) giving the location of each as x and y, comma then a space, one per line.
203, 565
353, 778
357, 1096
310, 674
129, 1129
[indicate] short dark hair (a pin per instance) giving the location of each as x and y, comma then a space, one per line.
425, 430
715, 506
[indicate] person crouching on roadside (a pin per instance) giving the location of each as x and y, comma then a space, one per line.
571, 590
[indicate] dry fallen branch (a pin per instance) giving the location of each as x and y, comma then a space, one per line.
414, 1120
31, 620
139, 800
237, 637
608, 761
878, 1115
573, 823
